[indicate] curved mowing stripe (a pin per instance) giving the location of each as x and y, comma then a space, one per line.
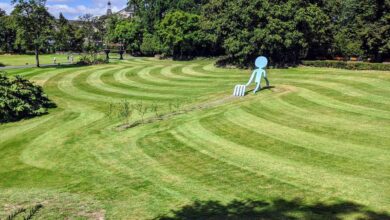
42, 78
345, 90
332, 103
66, 85
222, 127
309, 140
311, 178
279, 106
95, 80
319, 134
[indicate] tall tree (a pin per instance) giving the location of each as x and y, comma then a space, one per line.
7, 32
93, 30
130, 33
361, 28
33, 24
180, 34
64, 35
281, 30
152, 12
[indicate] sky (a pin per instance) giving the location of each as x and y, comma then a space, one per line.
72, 9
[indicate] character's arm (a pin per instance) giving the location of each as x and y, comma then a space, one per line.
252, 77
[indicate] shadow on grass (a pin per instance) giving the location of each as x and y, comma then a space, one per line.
273, 210
262, 88
62, 66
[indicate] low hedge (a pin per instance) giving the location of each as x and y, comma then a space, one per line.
91, 60
347, 65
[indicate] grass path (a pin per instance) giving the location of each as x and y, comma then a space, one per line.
319, 136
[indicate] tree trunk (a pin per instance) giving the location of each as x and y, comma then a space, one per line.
37, 56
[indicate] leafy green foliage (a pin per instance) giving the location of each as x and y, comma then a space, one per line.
180, 34
20, 98
283, 31
66, 37
33, 24
7, 32
91, 59
151, 12
151, 45
92, 30
128, 32
361, 28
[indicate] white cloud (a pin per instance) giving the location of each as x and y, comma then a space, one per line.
79, 10
55, 7
6, 7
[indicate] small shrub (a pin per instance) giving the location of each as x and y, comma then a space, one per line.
111, 110
347, 65
154, 108
125, 111
142, 109
151, 45
91, 59
20, 98
1, 65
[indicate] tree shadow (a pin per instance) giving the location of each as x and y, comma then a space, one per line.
273, 210
62, 66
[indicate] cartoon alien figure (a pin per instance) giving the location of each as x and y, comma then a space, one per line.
258, 73
260, 63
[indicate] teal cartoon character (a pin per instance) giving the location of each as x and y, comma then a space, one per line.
257, 75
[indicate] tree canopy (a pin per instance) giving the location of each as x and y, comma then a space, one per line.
286, 31
32, 24
180, 34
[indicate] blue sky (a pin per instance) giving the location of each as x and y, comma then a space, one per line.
74, 8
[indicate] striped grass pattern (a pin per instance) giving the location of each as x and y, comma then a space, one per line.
318, 135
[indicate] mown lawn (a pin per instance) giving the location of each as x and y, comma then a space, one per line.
19, 60
314, 146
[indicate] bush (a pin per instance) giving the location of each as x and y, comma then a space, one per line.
1, 65
91, 59
20, 98
151, 45
347, 65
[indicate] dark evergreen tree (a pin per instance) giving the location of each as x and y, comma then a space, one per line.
20, 98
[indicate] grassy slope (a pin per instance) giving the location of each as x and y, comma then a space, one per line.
320, 135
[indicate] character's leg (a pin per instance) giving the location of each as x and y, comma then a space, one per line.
266, 80
258, 87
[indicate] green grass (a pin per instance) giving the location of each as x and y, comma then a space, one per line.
19, 60
314, 146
